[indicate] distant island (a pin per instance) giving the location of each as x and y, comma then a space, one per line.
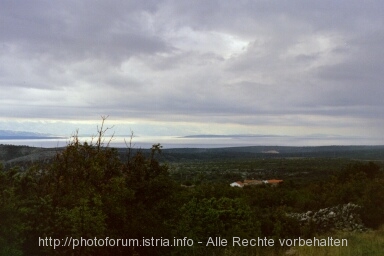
232, 136
17, 135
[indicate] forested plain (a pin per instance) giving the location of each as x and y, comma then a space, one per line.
91, 190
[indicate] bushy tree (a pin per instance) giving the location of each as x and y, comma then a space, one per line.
213, 217
86, 191
11, 226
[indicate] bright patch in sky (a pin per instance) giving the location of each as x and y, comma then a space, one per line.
206, 42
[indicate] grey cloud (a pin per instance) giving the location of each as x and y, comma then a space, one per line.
240, 62
78, 30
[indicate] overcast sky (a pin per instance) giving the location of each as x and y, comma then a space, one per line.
290, 68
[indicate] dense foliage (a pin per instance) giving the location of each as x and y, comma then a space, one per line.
88, 191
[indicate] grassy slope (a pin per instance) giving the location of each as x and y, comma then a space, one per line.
359, 244
366, 243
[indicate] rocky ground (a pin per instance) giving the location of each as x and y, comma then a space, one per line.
342, 217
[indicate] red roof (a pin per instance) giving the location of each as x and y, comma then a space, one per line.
274, 181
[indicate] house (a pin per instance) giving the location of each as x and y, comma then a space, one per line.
255, 182
252, 182
238, 184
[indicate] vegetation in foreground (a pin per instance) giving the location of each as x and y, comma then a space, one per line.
366, 243
359, 244
87, 191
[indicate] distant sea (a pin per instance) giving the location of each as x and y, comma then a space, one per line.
138, 142
201, 141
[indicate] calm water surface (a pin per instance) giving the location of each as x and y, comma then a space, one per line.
181, 142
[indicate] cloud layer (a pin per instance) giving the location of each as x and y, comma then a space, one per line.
196, 67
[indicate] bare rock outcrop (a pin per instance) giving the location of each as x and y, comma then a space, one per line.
341, 217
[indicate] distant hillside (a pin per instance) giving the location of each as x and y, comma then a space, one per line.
201, 154
20, 155
14, 155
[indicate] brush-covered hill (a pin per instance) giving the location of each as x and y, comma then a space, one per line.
14, 155
374, 153
20, 155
